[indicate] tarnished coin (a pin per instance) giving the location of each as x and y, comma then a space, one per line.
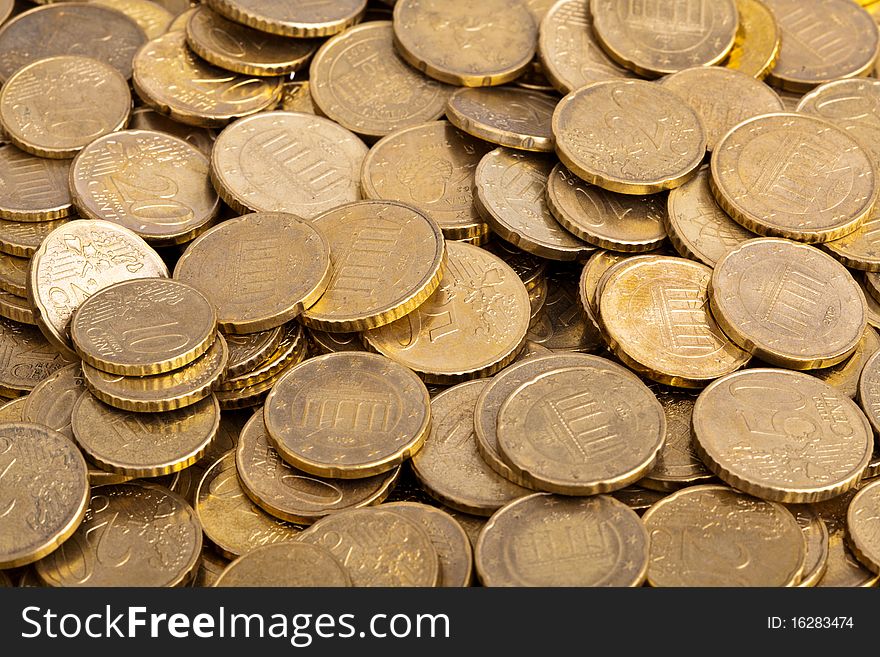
297, 97
287, 162
242, 49
758, 40
13, 274
822, 42
387, 259
697, 226
13, 410
816, 537
300, 19
26, 358
247, 351
782, 435
863, 526
348, 415
431, 167
511, 198
75, 261
567, 48
230, 520
659, 38
133, 534
56, 106
793, 175
378, 548
51, 401
507, 116
869, 392
654, 312
605, 219
172, 80
473, 325
44, 488
549, 540
789, 304
259, 271
32, 189
285, 565
450, 467
152, 183
461, 43
151, 17
71, 28
845, 375
285, 492
144, 118
160, 392
716, 536
143, 326
581, 430
359, 80
23, 238
722, 97
16, 308
662, 135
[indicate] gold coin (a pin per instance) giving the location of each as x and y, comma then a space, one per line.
654, 312
863, 526
527, 266
861, 248
6, 8
77, 260
511, 198
144, 444
13, 410
152, 18
297, 97
563, 324
211, 566
782, 435
145, 326
697, 226
816, 537
472, 525
23, 238
588, 285
144, 118
506, 116
843, 569
300, 19
152, 183
254, 395
826, 195
328, 343
869, 392
290, 494
186, 10
581, 430
822, 42
873, 469
358, 80
287, 162
387, 259
294, 564
289, 348
789, 304
347, 415
845, 375
160, 392
16, 308
873, 307
605, 219
51, 401
430, 167
172, 80
537, 299
461, 43
569, 54
638, 499
71, 28
722, 98
155, 535
378, 547
758, 38
259, 271
473, 325
242, 49
716, 536
230, 520
658, 39
45, 489
249, 350
28, 358
449, 466
663, 136
32, 189
534, 79
231, 424
13, 274
537, 8
56, 106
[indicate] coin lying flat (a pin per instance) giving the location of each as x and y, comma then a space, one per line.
277, 266
782, 435
16, 308
461, 43
387, 259
716, 536
793, 175
297, 97
657, 39
211, 565
290, 347
588, 285
28, 358
787, 303
44, 488
663, 135
822, 42
13, 410
845, 375
843, 569
248, 350
549, 540
869, 391
863, 526
302, 19
816, 536
23, 238
285, 564
155, 537
13, 274
144, 118
638, 499
758, 40
861, 248
32, 189
152, 18
564, 323
51, 401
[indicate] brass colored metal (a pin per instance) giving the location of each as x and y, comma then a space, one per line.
249, 350
758, 39
152, 18
863, 526
28, 358
285, 564
300, 19
34, 189
23, 238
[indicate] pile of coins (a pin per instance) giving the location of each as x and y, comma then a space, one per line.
440, 293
